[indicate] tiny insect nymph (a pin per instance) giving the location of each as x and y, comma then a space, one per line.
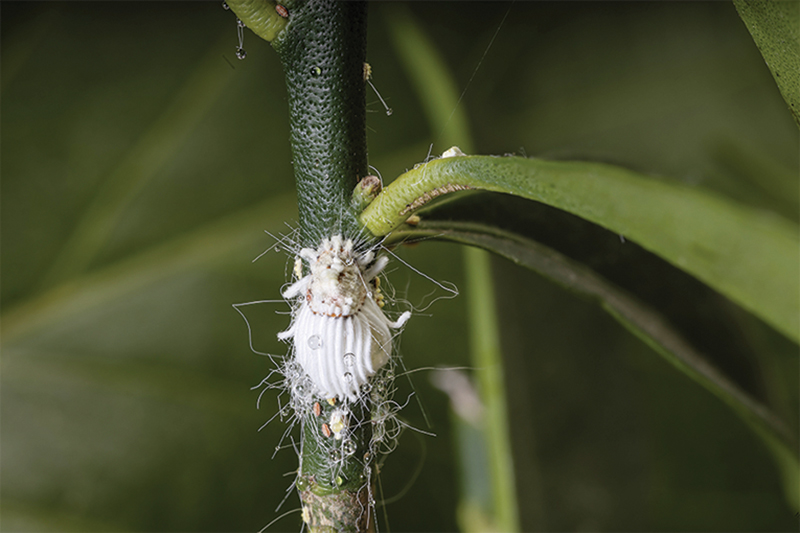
341, 335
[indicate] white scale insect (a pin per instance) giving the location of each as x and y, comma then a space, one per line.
341, 336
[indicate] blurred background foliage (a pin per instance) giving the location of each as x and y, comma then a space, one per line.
141, 162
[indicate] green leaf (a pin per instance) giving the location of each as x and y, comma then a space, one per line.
429, 75
643, 321
748, 255
775, 27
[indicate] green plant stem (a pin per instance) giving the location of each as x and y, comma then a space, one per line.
335, 495
323, 50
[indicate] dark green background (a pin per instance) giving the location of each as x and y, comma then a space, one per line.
130, 409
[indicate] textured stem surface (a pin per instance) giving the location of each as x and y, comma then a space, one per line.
335, 485
323, 49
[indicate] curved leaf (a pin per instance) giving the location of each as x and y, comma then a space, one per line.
429, 75
775, 27
750, 256
640, 319
700, 314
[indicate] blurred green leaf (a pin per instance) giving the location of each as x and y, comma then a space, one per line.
775, 27
487, 356
139, 165
436, 89
433, 84
207, 245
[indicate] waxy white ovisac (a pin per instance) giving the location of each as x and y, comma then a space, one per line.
341, 335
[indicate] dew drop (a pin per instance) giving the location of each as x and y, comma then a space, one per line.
225, 6
315, 342
389, 112
240, 23
292, 370
349, 360
299, 390
335, 455
349, 447
240, 53
348, 377
316, 71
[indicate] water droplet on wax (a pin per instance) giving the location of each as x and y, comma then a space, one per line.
349, 447
315, 342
